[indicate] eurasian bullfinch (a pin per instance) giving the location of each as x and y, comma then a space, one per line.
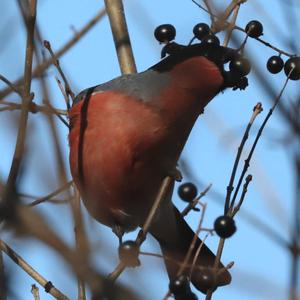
127, 135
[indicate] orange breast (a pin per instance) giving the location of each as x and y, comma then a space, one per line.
115, 154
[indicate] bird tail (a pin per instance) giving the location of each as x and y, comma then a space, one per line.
175, 240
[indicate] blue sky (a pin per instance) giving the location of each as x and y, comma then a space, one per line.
261, 268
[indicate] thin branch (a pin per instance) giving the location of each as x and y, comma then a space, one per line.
162, 193
26, 100
197, 254
35, 108
207, 4
64, 92
256, 111
40, 69
234, 4
231, 26
245, 188
247, 161
51, 195
35, 292
55, 61
115, 11
194, 203
49, 287
193, 243
11, 85
226, 24
186, 260
246, 165
216, 264
80, 239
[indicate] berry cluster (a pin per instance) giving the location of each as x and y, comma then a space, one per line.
239, 67
224, 226
275, 63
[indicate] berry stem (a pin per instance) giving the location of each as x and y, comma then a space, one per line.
236, 27
259, 133
194, 203
257, 109
231, 26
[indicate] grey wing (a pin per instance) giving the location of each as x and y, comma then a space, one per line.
142, 86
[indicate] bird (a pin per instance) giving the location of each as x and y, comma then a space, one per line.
126, 136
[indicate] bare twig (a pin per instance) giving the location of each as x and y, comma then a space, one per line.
63, 91
193, 243
115, 11
226, 24
216, 264
49, 287
55, 61
39, 70
80, 239
210, 12
231, 26
247, 161
197, 254
194, 203
234, 4
257, 110
34, 108
11, 85
186, 260
238, 206
162, 193
246, 165
51, 195
26, 100
35, 292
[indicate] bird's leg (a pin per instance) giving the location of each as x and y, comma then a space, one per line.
119, 232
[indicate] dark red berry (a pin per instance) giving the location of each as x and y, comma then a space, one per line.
129, 253
211, 39
240, 66
205, 280
201, 30
254, 29
165, 33
187, 191
224, 226
293, 63
275, 64
180, 286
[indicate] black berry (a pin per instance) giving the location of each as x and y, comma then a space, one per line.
187, 191
293, 63
201, 30
165, 33
211, 39
240, 66
275, 64
206, 280
224, 226
180, 286
128, 253
254, 29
